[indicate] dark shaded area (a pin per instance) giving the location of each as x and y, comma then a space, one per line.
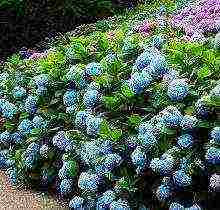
43, 19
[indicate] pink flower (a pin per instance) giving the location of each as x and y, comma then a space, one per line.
145, 27
37, 55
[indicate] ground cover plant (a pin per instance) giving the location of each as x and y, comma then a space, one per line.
126, 116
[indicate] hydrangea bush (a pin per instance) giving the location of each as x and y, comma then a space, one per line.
126, 118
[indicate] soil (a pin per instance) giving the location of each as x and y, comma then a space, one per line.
12, 198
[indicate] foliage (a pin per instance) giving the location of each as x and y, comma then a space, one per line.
108, 111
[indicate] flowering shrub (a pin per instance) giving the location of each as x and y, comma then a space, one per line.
103, 127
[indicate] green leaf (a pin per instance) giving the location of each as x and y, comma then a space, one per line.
116, 134
204, 124
126, 91
36, 132
23, 115
72, 168
9, 125
134, 120
104, 130
204, 72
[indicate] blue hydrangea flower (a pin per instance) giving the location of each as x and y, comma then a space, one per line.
5, 138
41, 80
63, 172
170, 75
194, 207
145, 127
176, 206
158, 41
89, 152
7, 109
108, 163
41, 91
119, 205
185, 141
70, 97
93, 125
44, 150
144, 59
139, 81
39, 122
93, 69
25, 127
214, 182
215, 92
33, 148
201, 109
80, 119
159, 65
76, 203
139, 157
105, 147
171, 117
66, 186
163, 192
188, 122
213, 155
62, 142
31, 104
89, 181
19, 92
31, 155
71, 109
163, 166
148, 141
184, 164
181, 179
178, 89
215, 134
17, 137
106, 199
167, 165
3, 159
12, 175
91, 98
30, 160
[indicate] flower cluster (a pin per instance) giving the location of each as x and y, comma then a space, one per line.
201, 17
31, 104
178, 89
7, 109
61, 141
89, 182
31, 155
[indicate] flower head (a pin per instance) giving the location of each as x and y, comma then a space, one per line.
70, 97
25, 127
31, 104
178, 89
76, 203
